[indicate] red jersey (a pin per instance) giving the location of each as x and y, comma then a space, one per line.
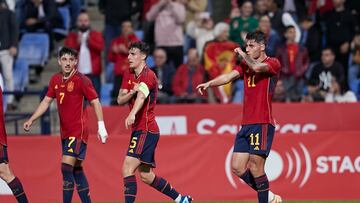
145, 118
3, 135
70, 95
258, 93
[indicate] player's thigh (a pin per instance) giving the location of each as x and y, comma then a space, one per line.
146, 173
130, 165
66, 159
239, 162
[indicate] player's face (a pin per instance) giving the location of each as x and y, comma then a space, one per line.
67, 63
135, 58
254, 49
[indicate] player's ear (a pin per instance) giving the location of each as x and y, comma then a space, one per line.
143, 56
262, 47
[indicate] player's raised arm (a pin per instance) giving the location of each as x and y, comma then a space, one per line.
125, 96
139, 101
41, 109
103, 135
218, 81
252, 63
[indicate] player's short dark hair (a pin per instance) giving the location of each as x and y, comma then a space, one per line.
257, 36
142, 46
289, 27
328, 48
67, 50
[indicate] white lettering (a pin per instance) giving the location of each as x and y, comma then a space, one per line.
290, 128
334, 160
201, 126
308, 127
346, 165
233, 129
322, 166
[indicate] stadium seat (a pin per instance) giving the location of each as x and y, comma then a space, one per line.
34, 48
65, 14
150, 61
21, 73
139, 34
109, 72
106, 94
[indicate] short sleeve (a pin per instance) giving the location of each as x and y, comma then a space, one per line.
51, 89
149, 83
88, 89
274, 66
240, 68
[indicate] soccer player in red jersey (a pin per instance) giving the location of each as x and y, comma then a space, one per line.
253, 142
5, 172
70, 88
139, 88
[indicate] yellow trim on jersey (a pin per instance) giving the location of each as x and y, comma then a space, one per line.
144, 89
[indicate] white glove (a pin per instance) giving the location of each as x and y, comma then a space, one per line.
103, 135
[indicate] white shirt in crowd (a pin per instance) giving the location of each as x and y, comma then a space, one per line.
84, 65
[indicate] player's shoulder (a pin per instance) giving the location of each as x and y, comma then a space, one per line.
273, 60
83, 79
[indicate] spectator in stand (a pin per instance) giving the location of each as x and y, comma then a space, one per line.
193, 7
294, 60
219, 57
311, 37
260, 9
279, 19
341, 26
354, 66
169, 17
90, 44
240, 26
339, 93
322, 74
42, 15
119, 56
296, 8
201, 29
186, 78
116, 12
8, 48
273, 39
165, 73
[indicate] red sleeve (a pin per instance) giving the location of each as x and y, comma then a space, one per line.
124, 83
96, 41
151, 81
51, 88
274, 66
88, 89
71, 41
240, 68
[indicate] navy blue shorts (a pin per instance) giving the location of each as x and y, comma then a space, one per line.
74, 147
3, 154
142, 146
255, 139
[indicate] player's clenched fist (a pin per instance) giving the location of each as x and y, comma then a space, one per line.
202, 87
129, 120
27, 125
103, 135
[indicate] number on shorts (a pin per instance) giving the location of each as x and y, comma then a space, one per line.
72, 139
256, 136
132, 144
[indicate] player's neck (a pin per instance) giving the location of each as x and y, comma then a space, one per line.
261, 58
67, 76
139, 69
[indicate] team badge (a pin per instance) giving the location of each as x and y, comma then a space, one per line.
70, 86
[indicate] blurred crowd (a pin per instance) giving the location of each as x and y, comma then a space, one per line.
192, 41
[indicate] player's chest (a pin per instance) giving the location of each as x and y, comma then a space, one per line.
254, 81
132, 81
67, 91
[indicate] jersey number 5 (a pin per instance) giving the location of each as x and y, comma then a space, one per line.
132, 144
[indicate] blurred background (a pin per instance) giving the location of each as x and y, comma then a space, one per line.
192, 41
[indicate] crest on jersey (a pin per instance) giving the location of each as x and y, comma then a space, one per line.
70, 86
